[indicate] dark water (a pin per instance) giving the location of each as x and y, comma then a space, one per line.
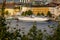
26, 26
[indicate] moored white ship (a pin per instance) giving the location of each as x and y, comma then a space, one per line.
33, 18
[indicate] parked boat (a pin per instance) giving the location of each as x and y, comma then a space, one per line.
33, 18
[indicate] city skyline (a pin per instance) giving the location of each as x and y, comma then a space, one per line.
30, 1
24, 0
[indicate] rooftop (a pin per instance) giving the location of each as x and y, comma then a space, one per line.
11, 5
47, 5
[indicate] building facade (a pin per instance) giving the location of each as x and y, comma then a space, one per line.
25, 1
56, 1
36, 10
53, 8
44, 10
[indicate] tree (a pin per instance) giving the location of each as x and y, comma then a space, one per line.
38, 14
6, 13
4, 34
24, 37
35, 34
42, 14
30, 12
49, 37
39, 35
23, 14
56, 35
26, 13
2, 22
49, 14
